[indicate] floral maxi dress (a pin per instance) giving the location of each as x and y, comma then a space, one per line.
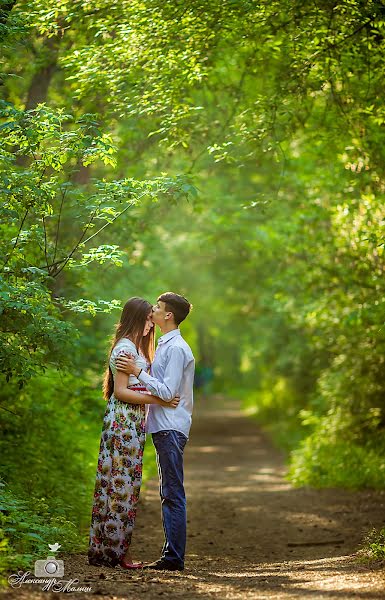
119, 470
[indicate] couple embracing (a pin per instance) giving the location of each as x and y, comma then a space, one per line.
145, 392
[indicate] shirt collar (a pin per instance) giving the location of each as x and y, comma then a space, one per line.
168, 336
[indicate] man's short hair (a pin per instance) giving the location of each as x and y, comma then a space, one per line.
178, 305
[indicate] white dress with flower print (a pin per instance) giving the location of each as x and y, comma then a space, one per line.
119, 470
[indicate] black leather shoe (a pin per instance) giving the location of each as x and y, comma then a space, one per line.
163, 565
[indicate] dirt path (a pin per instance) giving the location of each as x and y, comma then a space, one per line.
245, 522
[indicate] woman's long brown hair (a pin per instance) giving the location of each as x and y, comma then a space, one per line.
131, 325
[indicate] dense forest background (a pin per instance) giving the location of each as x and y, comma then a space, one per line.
231, 151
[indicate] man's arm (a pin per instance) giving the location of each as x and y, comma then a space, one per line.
124, 394
172, 376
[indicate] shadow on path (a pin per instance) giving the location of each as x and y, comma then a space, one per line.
250, 533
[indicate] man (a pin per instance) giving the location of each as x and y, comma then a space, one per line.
172, 373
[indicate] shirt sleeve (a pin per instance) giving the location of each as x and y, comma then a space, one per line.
124, 347
172, 376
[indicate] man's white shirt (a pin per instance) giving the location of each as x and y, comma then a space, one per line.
172, 372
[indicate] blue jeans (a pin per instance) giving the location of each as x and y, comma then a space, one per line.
169, 447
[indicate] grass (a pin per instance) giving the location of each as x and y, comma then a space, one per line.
373, 548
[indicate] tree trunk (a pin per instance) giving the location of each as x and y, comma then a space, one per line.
41, 80
81, 174
38, 90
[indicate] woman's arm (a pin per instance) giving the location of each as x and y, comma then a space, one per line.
122, 393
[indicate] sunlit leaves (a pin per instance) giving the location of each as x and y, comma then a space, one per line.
47, 224
100, 255
278, 108
33, 335
89, 306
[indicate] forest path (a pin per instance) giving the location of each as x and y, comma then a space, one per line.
244, 523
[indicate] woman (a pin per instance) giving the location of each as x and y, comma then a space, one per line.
119, 471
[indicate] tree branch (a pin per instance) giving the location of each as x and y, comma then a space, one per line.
63, 194
110, 222
45, 241
343, 40
17, 239
65, 260
10, 411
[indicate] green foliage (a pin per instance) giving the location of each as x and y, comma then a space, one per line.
40, 201
374, 545
27, 526
48, 497
61, 441
321, 462
274, 111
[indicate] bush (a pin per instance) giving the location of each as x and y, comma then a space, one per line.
321, 462
374, 545
27, 526
56, 422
